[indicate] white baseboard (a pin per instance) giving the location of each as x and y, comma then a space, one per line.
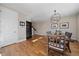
12, 43
20, 40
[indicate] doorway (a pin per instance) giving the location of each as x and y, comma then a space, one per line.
28, 30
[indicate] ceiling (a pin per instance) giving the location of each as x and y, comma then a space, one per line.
43, 11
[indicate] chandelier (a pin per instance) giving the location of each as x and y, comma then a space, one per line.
55, 17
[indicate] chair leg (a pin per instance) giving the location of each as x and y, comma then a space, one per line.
48, 51
69, 48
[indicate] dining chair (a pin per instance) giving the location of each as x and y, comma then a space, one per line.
56, 43
68, 39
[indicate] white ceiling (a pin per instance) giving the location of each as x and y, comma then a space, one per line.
43, 11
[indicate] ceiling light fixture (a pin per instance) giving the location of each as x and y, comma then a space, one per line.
55, 17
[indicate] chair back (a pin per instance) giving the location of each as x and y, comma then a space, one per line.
57, 43
49, 33
68, 34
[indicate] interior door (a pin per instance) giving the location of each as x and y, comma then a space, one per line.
28, 29
9, 27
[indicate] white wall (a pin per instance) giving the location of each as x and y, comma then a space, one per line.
9, 26
43, 27
78, 27
21, 30
72, 25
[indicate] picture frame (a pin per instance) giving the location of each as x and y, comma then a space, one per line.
64, 25
22, 23
54, 25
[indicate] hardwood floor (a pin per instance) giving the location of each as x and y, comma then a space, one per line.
27, 47
74, 48
36, 46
